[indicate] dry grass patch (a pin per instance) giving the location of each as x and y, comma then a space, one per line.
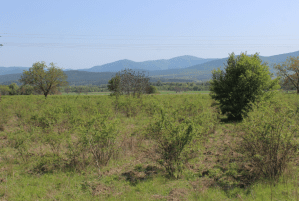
101, 190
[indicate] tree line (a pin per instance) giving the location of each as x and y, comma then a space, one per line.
17, 89
43, 79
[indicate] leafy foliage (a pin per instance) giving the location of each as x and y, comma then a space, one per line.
100, 140
269, 139
4, 90
152, 90
244, 80
114, 85
172, 139
54, 144
129, 82
14, 89
289, 72
43, 78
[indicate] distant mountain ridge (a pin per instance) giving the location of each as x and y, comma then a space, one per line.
75, 77
162, 64
151, 65
201, 71
12, 70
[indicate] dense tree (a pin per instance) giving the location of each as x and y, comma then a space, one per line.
114, 85
159, 83
129, 82
289, 72
43, 78
196, 88
79, 89
152, 90
13, 89
244, 81
27, 90
67, 89
4, 90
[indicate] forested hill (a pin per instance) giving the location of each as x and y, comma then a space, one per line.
163, 64
196, 72
203, 71
220, 62
83, 78
12, 70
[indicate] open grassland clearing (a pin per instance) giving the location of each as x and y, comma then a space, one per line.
160, 92
89, 93
107, 148
185, 92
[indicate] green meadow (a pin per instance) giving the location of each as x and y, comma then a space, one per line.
91, 147
160, 92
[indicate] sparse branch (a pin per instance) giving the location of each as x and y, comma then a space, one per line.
289, 71
129, 82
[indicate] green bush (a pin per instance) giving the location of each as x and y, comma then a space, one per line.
19, 141
269, 140
4, 90
152, 90
171, 138
99, 138
13, 89
244, 80
27, 90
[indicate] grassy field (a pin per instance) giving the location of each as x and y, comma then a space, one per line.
89, 93
160, 92
70, 147
187, 92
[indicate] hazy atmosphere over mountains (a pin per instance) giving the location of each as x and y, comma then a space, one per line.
169, 39
184, 67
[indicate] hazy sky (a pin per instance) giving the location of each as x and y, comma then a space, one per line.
81, 34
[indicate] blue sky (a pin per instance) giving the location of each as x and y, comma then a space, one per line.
81, 34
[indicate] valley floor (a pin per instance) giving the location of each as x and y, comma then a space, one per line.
70, 147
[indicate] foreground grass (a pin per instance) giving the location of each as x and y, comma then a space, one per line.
39, 139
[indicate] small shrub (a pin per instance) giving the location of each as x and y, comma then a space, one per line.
171, 138
19, 141
128, 105
54, 140
48, 163
268, 140
152, 89
100, 140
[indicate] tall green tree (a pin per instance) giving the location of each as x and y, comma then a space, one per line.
289, 72
114, 85
244, 80
43, 78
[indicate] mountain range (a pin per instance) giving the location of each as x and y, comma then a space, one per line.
178, 68
163, 64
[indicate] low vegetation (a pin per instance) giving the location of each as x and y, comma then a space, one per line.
133, 145
165, 147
